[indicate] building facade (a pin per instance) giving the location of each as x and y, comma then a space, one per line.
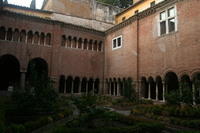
157, 48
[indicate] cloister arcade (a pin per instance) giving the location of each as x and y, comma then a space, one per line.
11, 76
155, 89
23, 36
79, 85
80, 43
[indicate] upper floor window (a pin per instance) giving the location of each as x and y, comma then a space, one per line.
117, 42
167, 21
152, 3
136, 12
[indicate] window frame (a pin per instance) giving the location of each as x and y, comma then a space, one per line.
166, 20
116, 39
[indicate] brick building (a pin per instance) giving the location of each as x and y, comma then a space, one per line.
158, 47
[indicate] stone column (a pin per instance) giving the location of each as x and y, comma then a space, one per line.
163, 83
86, 88
109, 88
93, 88
193, 94
72, 89
117, 89
82, 45
149, 91
114, 89
156, 91
23, 79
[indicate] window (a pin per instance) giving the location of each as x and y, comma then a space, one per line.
117, 42
167, 21
153, 3
136, 12
124, 18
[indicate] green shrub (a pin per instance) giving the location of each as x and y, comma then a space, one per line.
173, 97
2, 127
16, 129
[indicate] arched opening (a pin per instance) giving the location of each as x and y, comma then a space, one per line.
160, 87
152, 86
90, 85
23, 36
107, 87
112, 87
62, 84
2, 33
37, 71
76, 85
100, 46
196, 82
74, 42
95, 45
90, 44
9, 72
16, 35
115, 87
48, 39
96, 86
63, 41
9, 34
186, 89
120, 87
80, 43
171, 82
42, 38
69, 85
84, 85
36, 38
69, 42
85, 44
30, 37
144, 87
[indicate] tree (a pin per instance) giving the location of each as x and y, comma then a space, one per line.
118, 3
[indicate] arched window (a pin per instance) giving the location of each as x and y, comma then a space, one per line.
95, 46
90, 45
9, 34
85, 44
23, 36
48, 39
16, 35
36, 38
69, 42
2, 33
42, 37
100, 46
63, 41
30, 37
80, 43
74, 42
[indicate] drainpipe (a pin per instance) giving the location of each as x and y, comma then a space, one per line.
137, 45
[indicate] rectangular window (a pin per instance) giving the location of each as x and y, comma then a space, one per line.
117, 42
167, 21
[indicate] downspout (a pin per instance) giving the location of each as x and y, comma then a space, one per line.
138, 53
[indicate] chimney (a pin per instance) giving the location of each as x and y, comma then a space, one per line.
33, 4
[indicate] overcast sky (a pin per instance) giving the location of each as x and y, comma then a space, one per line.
26, 3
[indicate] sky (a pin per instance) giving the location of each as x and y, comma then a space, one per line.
26, 3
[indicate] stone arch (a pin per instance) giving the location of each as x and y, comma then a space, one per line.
95, 45
30, 37
84, 85
171, 82
100, 46
144, 87
186, 89
76, 85
62, 84
37, 70
69, 42
9, 34
159, 87
74, 42
196, 83
9, 72
80, 43
48, 39
63, 41
42, 38
85, 46
23, 36
96, 86
69, 84
16, 35
115, 86
121, 86
152, 86
2, 33
36, 38
111, 86
90, 85
90, 45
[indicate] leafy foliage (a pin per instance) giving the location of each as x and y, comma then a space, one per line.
118, 3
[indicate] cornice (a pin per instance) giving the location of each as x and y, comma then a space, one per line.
141, 15
51, 22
